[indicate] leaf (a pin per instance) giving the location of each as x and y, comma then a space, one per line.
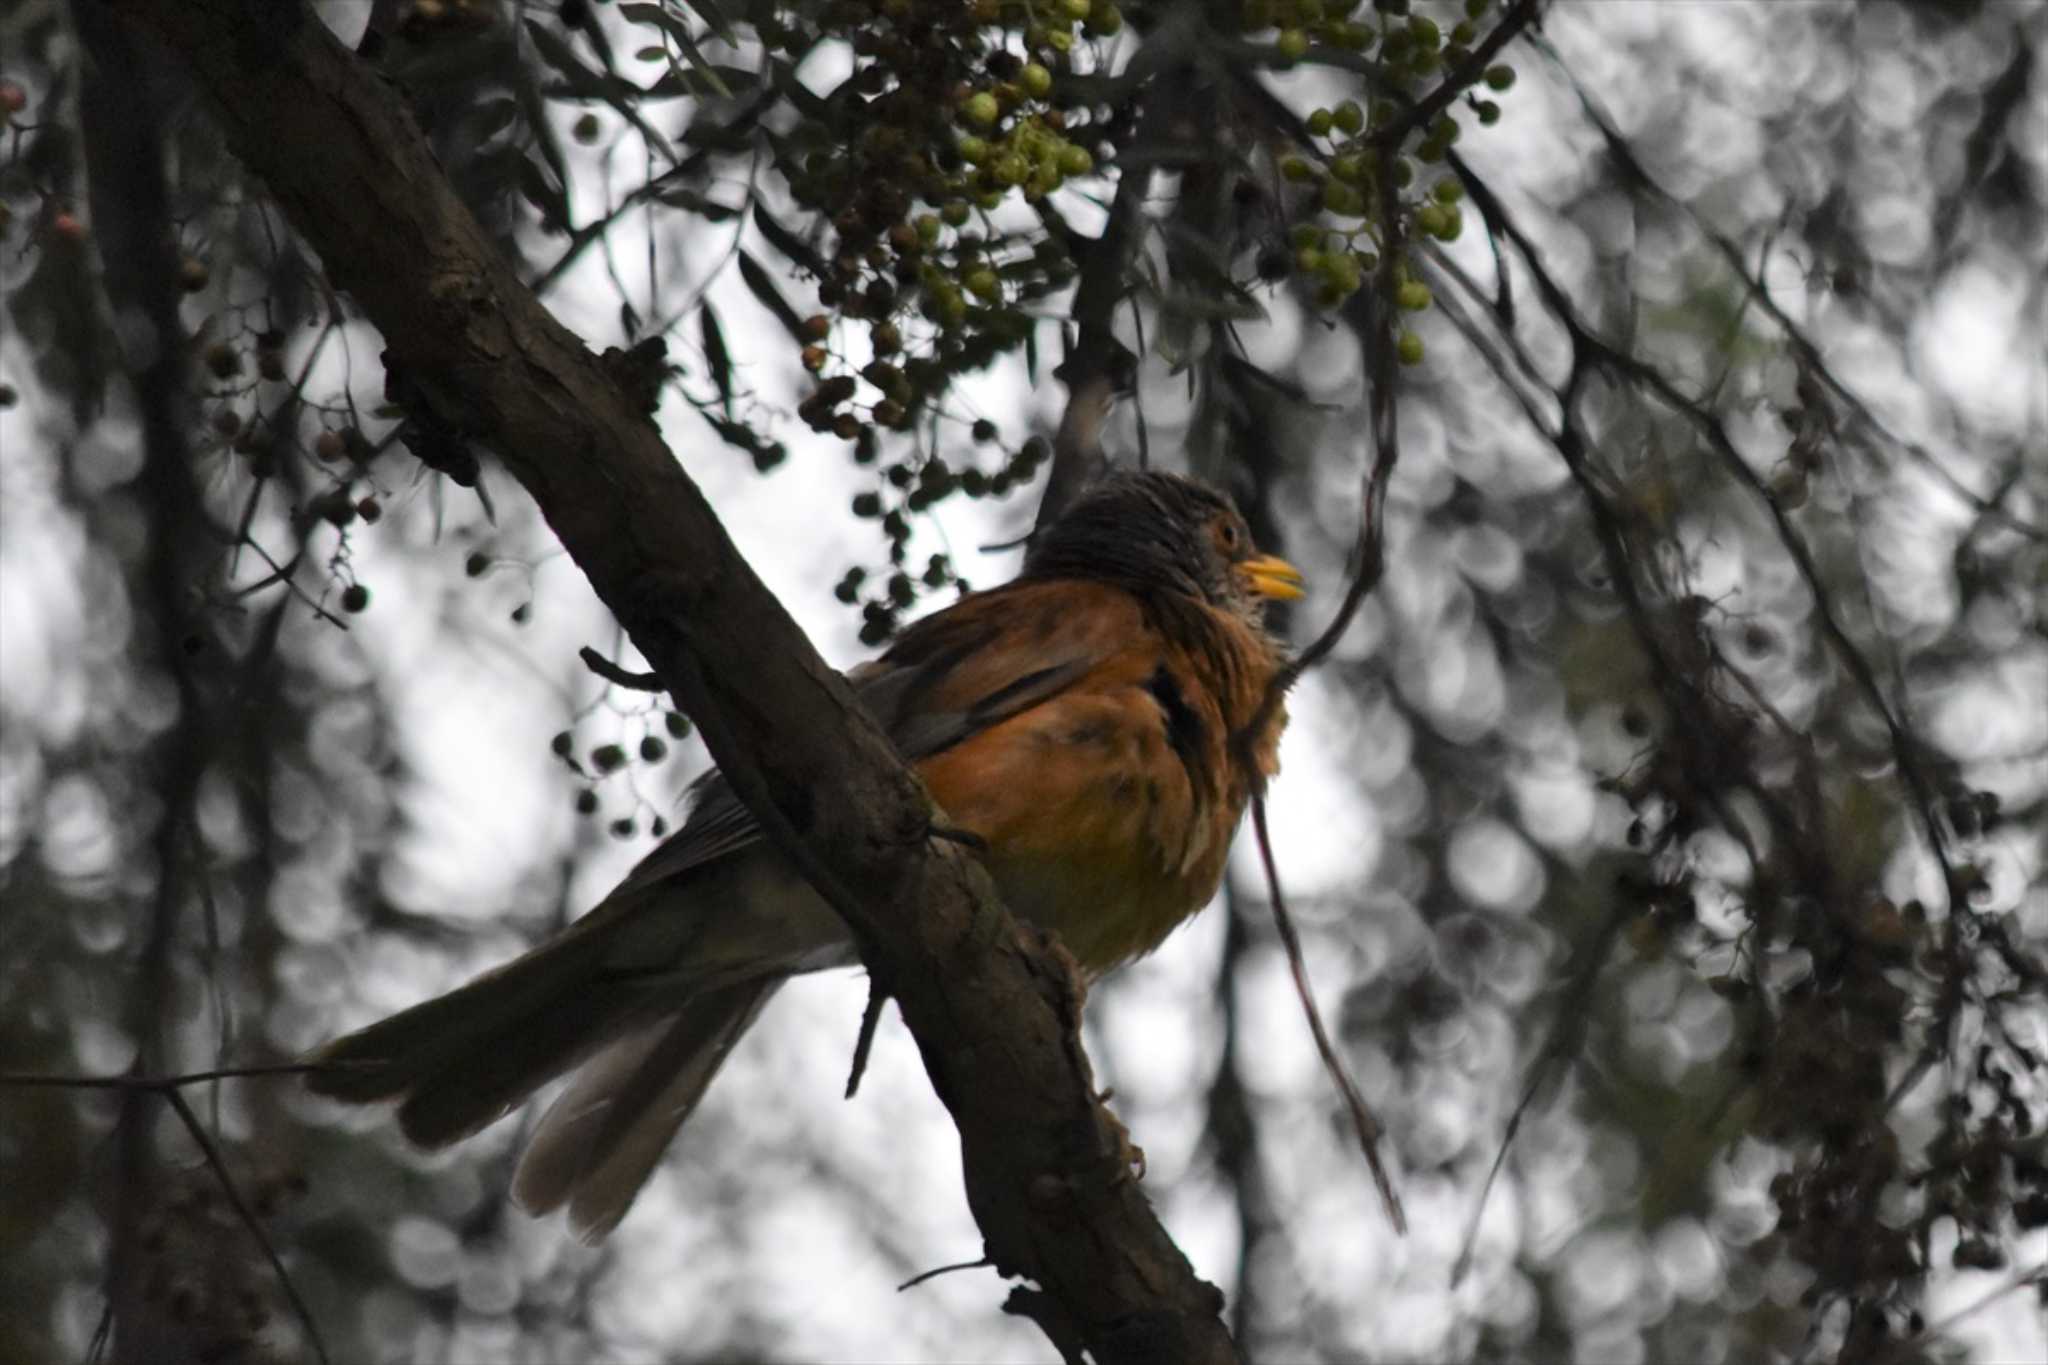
677, 28
716, 355
714, 15
557, 53
736, 79
535, 106
762, 284
710, 210
545, 195
787, 242
735, 136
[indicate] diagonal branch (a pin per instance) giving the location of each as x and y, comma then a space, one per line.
983, 997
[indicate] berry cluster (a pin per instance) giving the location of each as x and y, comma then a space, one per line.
951, 110
1349, 162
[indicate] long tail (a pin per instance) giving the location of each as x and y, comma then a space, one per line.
602, 1137
647, 993
460, 1062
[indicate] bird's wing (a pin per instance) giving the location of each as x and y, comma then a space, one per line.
950, 676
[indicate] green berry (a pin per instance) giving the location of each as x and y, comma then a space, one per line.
1448, 191
1343, 199
1499, 77
1342, 272
1319, 122
1408, 348
1036, 80
1348, 117
981, 108
1075, 160
984, 284
1292, 44
1413, 296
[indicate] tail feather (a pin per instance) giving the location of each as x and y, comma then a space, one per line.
460, 1062
602, 1138
647, 994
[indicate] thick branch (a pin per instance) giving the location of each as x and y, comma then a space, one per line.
984, 1000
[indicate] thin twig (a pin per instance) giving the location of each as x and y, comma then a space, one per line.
617, 676
1363, 1121
219, 1166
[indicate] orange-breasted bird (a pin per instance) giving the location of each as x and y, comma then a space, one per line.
1083, 721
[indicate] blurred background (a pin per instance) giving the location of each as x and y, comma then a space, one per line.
1665, 831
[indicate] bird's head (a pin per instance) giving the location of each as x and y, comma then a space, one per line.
1153, 532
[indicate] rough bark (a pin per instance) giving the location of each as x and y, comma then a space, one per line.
988, 1005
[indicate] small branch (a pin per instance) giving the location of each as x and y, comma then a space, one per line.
617, 676
218, 1165
870, 1019
162, 1085
1363, 1121
1456, 82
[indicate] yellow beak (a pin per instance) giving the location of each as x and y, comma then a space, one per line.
1272, 576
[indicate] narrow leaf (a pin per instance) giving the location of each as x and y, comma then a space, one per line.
787, 242
763, 286
716, 355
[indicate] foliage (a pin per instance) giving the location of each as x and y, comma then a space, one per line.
1668, 823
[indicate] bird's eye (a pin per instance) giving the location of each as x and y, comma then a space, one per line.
1228, 533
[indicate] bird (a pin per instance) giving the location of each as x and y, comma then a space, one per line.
1095, 727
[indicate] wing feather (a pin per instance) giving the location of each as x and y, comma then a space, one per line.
947, 678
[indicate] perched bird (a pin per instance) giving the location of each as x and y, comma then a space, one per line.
1086, 722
